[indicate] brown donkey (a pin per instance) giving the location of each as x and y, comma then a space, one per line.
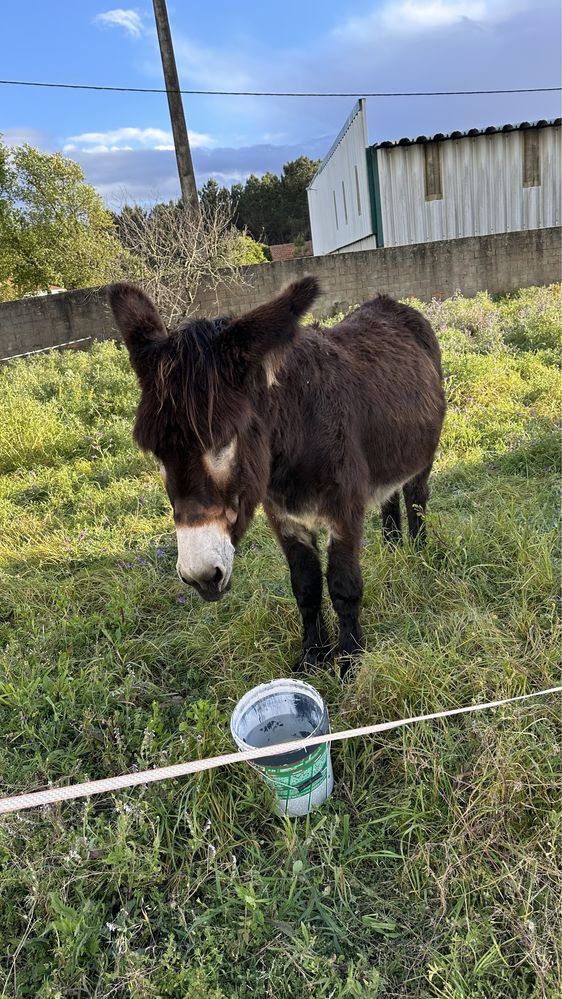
316, 424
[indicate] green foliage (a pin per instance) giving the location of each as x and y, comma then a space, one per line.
433, 870
246, 250
54, 228
273, 209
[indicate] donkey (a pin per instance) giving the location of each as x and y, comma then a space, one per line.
315, 424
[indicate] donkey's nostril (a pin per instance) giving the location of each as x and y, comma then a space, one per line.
219, 575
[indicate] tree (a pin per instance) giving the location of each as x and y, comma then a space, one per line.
54, 228
171, 252
271, 208
297, 175
212, 197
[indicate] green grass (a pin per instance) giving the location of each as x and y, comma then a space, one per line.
433, 869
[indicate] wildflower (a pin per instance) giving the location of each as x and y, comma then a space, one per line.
180, 598
112, 927
160, 553
147, 740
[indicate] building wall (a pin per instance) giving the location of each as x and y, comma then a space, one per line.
482, 187
338, 196
368, 243
499, 263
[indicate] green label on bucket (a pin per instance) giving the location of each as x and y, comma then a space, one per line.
299, 780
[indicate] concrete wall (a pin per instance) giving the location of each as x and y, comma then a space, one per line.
499, 263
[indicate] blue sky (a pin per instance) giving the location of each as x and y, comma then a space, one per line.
123, 141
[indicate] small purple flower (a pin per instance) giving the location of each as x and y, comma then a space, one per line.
140, 560
160, 553
128, 565
180, 598
23, 717
253, 546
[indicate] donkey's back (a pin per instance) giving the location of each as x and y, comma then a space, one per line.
389, 326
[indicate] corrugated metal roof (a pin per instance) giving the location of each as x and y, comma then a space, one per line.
470, 134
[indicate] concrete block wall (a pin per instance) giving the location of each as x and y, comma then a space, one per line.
498, 264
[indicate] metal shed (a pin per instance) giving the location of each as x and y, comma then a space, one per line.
471, 183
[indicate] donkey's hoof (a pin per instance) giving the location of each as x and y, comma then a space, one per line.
314, 657
349, 654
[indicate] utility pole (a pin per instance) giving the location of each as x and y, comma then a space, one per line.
177, 117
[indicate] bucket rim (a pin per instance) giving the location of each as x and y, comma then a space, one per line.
266, 689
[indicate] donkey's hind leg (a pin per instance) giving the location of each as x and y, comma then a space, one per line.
391, 520
416, 495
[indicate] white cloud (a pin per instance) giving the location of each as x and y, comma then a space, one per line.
144, 138
400, 17
148, 175
129, 20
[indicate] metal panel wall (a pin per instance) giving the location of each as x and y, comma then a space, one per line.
482, 183
338, 196
368, 243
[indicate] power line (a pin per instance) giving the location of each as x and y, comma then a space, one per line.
277, 93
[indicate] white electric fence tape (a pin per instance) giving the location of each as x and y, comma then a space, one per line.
45, 350
54, 794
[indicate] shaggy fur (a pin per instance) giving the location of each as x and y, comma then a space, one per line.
326, 422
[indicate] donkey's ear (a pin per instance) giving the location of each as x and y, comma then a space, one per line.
139, 324
270, 327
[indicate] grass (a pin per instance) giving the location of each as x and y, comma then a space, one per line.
433, 869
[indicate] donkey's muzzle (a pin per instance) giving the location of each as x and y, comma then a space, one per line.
210, 590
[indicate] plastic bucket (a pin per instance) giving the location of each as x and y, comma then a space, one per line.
281, 711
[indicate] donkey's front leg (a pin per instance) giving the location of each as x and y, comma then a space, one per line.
346, 591
299, 545
306, 580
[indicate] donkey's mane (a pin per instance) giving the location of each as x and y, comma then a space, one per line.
184, 401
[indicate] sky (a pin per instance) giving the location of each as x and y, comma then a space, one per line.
124, 143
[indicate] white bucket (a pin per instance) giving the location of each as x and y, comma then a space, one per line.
281, 711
